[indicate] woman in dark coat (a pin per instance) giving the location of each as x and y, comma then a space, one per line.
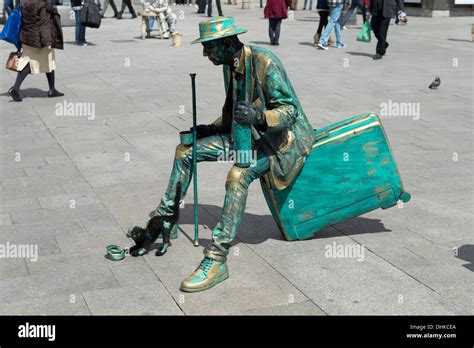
40, 34
275, 11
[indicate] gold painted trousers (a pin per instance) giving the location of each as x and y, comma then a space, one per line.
238, 180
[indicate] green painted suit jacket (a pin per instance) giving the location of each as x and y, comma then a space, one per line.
261, 79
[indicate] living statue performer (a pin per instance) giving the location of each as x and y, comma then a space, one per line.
167, 18
259, 96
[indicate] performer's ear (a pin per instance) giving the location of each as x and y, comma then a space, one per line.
228, 42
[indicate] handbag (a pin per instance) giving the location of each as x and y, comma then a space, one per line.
364, 33
12, 28
12, 61
90, 14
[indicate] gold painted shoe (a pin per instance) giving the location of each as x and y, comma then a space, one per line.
209, 273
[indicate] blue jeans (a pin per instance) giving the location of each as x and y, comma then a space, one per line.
355, 4
80, 29
334, 14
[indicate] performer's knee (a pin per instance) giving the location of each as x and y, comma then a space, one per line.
236, 177
183, 151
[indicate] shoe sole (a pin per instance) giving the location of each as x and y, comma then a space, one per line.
321, 47
216, 281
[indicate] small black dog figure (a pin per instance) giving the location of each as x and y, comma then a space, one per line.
145, 237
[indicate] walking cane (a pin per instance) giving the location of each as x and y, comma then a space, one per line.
195, 187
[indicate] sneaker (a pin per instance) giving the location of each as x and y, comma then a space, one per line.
322, 47
341, 46
344, 28
209, 273
377, 57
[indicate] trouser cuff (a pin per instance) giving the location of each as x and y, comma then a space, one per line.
215, 256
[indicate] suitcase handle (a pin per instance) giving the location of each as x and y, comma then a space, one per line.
320, 136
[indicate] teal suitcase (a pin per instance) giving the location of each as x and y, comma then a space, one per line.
350, 171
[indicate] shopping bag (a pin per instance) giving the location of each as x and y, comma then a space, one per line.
12, 28
13, 60
364, 33
90, 14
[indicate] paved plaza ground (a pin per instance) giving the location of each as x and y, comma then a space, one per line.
73, 184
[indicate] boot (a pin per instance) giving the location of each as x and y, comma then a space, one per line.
316, 38
209, 273
54, 93
331, 41
15, 94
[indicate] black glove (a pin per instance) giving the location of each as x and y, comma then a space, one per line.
246, 113
205, 130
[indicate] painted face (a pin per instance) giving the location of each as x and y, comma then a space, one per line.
215, 51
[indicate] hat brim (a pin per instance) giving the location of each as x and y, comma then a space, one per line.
235, 32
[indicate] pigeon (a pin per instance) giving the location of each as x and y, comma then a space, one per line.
435, 84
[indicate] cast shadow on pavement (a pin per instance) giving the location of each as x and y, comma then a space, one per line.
31, 93
466, 253
256, 229
362, 54
460, 40
261, 43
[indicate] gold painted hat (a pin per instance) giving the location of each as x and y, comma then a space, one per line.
216, 28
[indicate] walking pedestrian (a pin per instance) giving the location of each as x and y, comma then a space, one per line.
335, 8
40, 34
209, 8
106, 5
381, 11
127, 3
354, 5
80, 38
323, 10
201, 6
275, 11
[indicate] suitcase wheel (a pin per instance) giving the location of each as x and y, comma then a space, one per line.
405, 197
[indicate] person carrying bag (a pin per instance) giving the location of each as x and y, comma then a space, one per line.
364, 33
90, 14
12, 28
40, 34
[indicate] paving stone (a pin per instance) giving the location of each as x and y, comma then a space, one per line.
52, 283
64, 304
91, 211
320, 279
12, 268
51, 202
134, 300
18, 204
300, 308
5, 219
86, 244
